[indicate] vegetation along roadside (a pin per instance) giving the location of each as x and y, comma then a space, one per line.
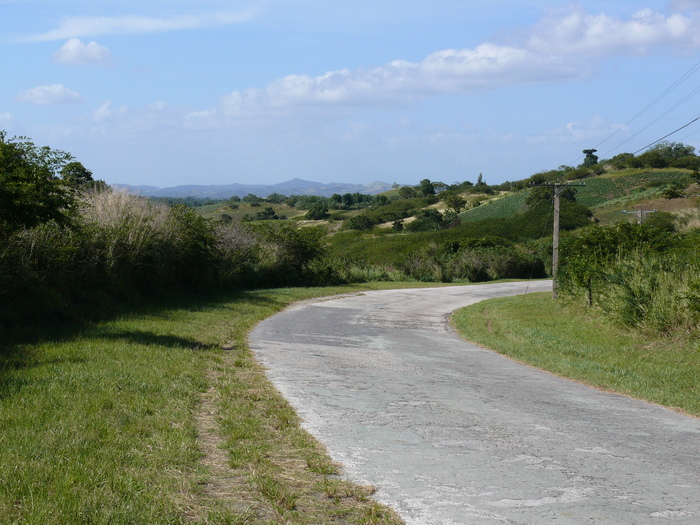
162, 415
588, 347
127, 391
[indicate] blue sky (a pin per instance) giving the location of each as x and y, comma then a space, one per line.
261, 91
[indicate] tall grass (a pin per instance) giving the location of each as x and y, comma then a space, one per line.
637, 276
122, 246
659, 294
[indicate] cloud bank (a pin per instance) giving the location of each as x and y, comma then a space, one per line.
568, 44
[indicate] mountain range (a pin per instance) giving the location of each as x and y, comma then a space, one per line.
226, 191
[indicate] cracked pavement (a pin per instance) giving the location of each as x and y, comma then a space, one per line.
452, 433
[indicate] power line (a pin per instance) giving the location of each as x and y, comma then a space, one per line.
655, 142
666, 136
668, 90
680, 102
651, 104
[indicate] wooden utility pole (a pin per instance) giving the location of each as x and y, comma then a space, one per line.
558, 188
640, 214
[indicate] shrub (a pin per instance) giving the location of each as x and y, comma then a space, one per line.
359, 222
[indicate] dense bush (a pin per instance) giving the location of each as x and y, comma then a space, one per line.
638, 276
359, 222
122, 246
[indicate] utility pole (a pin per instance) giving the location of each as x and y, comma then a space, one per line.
640, 214
558, 188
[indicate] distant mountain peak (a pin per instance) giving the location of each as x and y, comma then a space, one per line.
294, 186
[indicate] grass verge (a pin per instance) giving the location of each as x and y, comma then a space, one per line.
535, 330
163, 416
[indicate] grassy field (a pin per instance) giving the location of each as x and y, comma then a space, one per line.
535, 330
162, 416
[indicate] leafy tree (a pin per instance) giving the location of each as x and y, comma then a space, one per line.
348, 200
688, 163
426, 187
673, 150
427, 220
407, 192
439, 186
591, 159
275, 198
455, 202
76, 175
30, 191
653, 159
268, 214
250, 199
317, 212
359, 222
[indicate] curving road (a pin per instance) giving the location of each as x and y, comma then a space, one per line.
452, 433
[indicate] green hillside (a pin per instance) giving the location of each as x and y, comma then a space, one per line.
602, 193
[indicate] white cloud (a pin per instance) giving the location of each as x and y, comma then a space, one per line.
566, 45
75, 53
50, 95
572, 31
449, 71
83, 26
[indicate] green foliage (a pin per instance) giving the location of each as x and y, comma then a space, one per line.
76, 175
426, 187
276, 198
195, 202
640, 276
250, 199
120, 246
455, 202
30, 191
359, 222
407, 192
673, 150
268, 214
591, 159
317, 212
427, 220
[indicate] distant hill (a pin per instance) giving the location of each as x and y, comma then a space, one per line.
291, 187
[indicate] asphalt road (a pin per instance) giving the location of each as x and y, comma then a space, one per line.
452, 433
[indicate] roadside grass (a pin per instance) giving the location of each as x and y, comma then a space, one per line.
537, 331
102, 423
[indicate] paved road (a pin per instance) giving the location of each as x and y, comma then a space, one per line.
451, 433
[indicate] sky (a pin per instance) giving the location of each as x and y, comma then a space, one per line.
168, 93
